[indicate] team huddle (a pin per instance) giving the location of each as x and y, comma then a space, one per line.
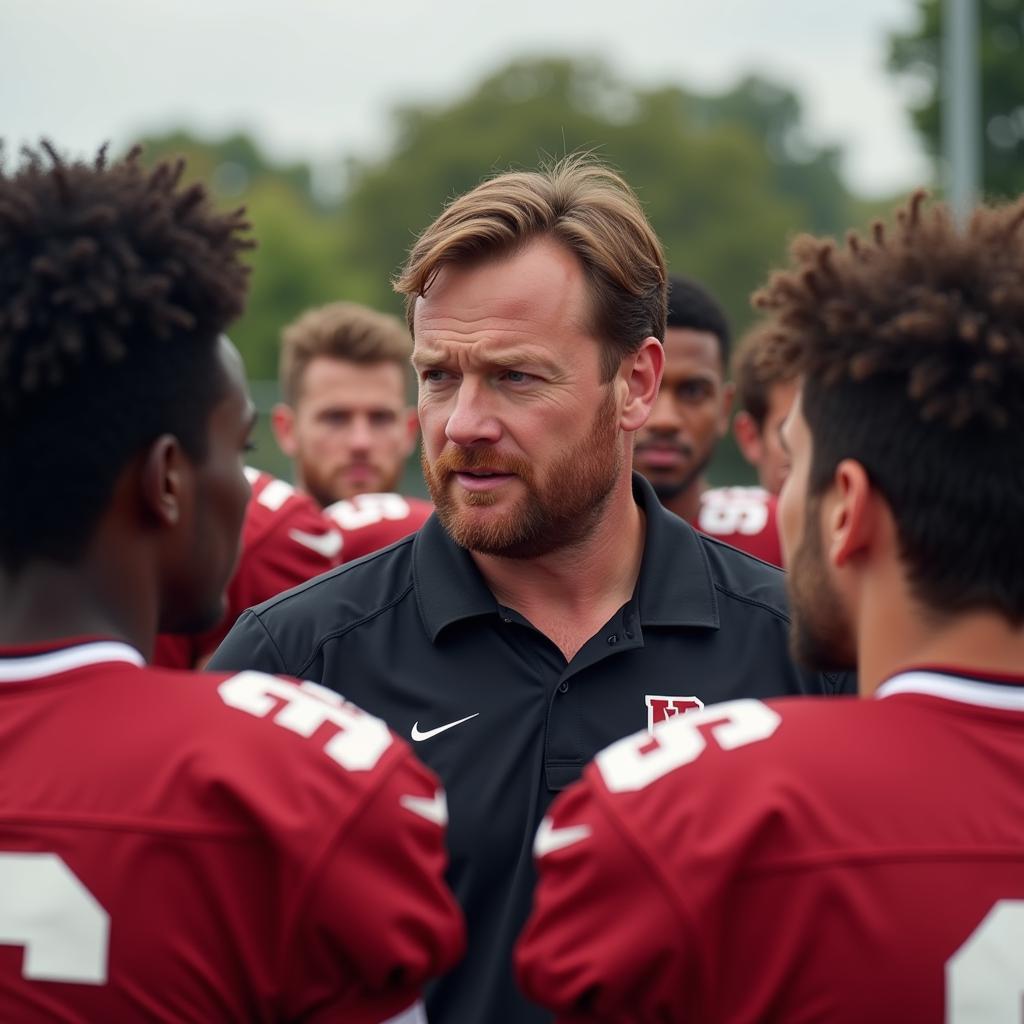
563, 743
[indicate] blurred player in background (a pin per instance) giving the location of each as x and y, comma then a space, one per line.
173, 847
764, 395
346, 422
855, 860
690, 417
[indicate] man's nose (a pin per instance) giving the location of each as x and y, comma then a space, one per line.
472, 419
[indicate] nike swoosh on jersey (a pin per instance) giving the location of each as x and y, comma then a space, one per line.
419, 737
433, 808
327, 544
550, 838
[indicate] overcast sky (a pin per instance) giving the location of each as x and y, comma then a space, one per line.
315, 79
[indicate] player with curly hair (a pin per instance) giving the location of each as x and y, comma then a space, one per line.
853, 860
174, 846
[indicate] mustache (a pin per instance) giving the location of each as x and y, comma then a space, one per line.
460, 460
663, 446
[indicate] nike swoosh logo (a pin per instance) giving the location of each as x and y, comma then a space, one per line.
419, 737
433, 808
550, 838
326, 544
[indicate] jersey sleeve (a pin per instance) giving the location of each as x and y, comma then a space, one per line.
379, 903
295, 548
603, 942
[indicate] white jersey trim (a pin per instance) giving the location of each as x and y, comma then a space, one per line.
38, 666
415, 1014
966, 691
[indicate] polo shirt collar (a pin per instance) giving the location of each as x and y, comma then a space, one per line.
675, 586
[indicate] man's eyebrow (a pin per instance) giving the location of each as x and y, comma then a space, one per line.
504, 359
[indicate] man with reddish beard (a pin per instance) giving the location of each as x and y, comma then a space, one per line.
689, 418
855, 860
552, 603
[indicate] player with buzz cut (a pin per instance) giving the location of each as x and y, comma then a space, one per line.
174, 847
852, 860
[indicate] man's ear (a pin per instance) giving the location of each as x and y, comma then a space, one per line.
641, 375
852, 516
282, 422
163, 479
748, 437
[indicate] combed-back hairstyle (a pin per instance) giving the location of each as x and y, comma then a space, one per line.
340, 330
911, 345
584, 206
115, 283
693, 308
755, 371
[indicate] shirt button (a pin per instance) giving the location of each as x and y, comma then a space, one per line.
506, 619
563, 687
613, 639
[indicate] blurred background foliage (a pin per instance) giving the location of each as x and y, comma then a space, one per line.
727, 179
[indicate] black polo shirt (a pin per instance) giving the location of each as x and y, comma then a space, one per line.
413, 635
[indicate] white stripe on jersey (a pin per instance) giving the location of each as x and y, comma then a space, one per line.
414, 1015
950, 687
36, 666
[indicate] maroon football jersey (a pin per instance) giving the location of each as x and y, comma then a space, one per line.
744, 517
186, 847
285, 541
843, 861
369, 522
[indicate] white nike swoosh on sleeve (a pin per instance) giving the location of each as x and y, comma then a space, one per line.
550, 838
327, 544
419, 736
433, 808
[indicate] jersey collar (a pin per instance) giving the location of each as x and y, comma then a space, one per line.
1004, 693
18, 666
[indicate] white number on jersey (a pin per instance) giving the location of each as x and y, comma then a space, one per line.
639, 760
730, 510
367, 509
985, 976
46, 909
357, 746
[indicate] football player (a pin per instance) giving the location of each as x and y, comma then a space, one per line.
174, 847
675, 446
851, 860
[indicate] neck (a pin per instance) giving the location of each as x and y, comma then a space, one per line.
48, 602
686, 503
568, 594
896, 639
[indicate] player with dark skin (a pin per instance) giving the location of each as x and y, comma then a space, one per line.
691, 414
166, 837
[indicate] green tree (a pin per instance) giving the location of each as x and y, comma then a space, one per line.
725, 179
918, 55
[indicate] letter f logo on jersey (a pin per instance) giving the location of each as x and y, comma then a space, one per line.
661, 709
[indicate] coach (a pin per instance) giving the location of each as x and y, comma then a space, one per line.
551, 605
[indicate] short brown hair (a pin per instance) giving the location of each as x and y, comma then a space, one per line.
911, 348
586, 207
755, 372
340, 330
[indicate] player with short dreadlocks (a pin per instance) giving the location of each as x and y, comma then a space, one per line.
173, 846
856, 860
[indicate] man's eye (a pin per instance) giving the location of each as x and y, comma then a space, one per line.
692, 391
517, 376
435, 376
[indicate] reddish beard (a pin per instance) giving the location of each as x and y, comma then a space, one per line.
557, 511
